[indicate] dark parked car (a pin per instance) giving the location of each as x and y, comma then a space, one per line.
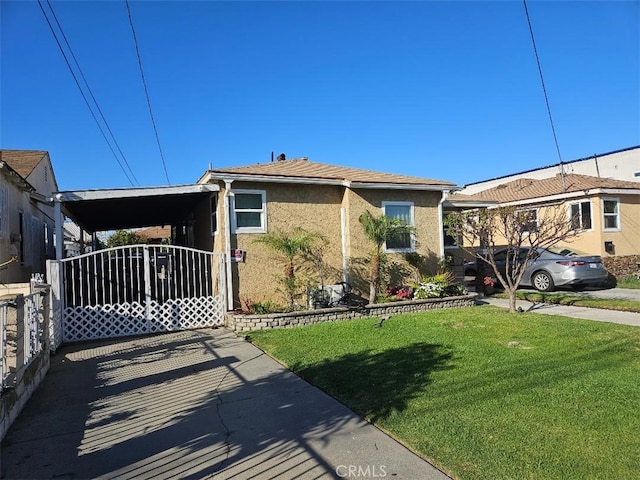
553, 267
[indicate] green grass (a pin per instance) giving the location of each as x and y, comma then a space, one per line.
575, 300
483, 393
629, 281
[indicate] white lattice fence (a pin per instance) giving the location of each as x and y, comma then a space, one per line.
142, 289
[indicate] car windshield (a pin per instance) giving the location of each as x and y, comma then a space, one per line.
567, 252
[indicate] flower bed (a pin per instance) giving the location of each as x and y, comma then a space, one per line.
240, 322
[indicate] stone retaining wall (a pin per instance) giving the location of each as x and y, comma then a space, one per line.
240, 322
622, 266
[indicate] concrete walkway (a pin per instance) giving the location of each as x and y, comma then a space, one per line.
192, 405
597, 314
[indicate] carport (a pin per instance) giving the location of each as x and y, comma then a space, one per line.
112, 209
138, 289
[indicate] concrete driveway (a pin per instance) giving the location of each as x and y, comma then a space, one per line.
192, 405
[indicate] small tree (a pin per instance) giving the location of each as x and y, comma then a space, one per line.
124, 237
290, 245
379, 230
516, 228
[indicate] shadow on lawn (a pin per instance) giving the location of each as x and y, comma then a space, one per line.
375, 384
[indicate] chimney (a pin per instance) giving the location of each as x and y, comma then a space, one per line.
282, 157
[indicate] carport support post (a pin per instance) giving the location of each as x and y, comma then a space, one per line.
147, 285
57, 208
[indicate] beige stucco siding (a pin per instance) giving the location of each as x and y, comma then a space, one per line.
626, 239
315, 208
318, 208
427, 226
425, 213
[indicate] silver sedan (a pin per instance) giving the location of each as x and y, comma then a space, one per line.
554, 267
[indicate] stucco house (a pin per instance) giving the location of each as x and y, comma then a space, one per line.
322, 198
605, 211
27, 217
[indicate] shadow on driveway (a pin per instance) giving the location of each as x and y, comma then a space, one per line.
193, 404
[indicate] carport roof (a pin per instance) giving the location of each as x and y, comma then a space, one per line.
112, 209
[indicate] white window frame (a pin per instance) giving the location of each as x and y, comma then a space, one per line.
618, 226
412, 223
263, 212
579, 203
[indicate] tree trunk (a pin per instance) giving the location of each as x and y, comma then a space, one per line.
512, 299
375, 278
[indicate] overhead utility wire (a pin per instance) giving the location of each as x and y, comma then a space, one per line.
86, 83
544, 89
82, 93
146, 92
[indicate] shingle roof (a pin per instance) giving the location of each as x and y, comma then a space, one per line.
527, 188
22, 161
297, 168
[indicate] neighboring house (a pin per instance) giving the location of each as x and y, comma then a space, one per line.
27, 183
326, 199
605, 212
156, 235
617, 165
76, 240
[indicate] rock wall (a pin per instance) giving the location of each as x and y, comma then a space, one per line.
239, 322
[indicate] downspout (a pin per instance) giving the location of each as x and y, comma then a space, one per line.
227, 241
445, 194
343, 232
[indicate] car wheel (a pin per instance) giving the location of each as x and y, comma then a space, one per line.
543, 282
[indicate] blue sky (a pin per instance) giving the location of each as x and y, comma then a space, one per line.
444, 90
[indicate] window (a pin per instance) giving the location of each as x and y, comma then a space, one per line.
249, 208
400, 211
450, 240
611, 214
214, 214
529, 219
580, 215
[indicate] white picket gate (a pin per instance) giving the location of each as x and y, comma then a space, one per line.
136, 290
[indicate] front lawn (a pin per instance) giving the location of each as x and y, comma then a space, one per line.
483, 393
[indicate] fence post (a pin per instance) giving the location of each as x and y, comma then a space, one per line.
147, 285
55, 277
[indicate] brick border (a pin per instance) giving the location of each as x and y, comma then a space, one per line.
239, 322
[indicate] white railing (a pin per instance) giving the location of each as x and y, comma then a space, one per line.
32, 327
23, 331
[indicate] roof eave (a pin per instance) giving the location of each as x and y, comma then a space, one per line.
15, 178
101, 194
250, 177
572, 195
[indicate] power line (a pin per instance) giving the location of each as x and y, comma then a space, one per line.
146, 92
55, 36
544, 88
86, 83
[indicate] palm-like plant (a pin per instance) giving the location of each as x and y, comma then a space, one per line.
290, 245
380, 230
